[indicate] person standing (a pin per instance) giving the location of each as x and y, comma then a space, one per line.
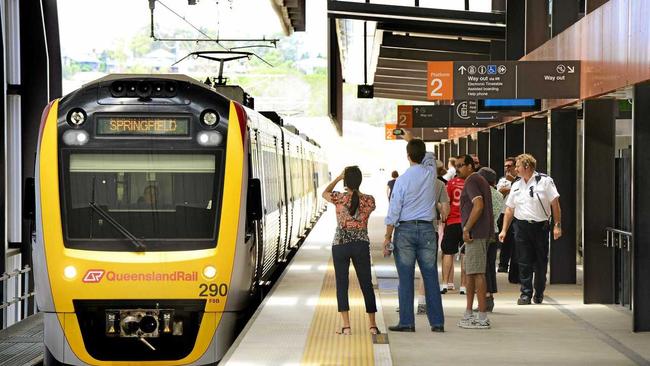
478, 228
497, 207
531, 201
442, 211
452, 238
351, 242
506, 257
391, 183
409, 225
451, 169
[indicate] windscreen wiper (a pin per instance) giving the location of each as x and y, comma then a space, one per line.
139, 246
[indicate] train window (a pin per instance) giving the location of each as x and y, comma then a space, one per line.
154, 196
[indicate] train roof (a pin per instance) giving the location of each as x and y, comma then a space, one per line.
175, 77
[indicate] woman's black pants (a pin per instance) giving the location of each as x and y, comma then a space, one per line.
359, 253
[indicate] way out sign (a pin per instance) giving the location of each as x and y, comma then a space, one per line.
440, 80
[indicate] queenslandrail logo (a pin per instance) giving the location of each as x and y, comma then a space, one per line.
96, 275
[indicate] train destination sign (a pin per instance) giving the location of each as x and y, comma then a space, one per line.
143, 126
504, 80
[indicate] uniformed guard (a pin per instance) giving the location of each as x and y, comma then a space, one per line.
531, 201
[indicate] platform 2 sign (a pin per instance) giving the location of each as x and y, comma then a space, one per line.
423, 116
388, 130
503, 80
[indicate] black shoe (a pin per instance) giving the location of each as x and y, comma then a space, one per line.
523, 300
538, 299
490, 304
401, 328
503, 269
438, 328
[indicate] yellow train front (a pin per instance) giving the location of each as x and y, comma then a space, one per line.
142, 250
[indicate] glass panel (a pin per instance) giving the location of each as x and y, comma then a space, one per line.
154, 196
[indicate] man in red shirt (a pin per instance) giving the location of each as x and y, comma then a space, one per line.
453, 237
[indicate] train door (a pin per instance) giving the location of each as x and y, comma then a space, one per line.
291, 205
281, 204
298, 176
271, 200
255, 171
309, 197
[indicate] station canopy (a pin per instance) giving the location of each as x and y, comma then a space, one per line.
400, 40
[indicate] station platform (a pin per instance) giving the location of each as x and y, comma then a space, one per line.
22, 343
296, 323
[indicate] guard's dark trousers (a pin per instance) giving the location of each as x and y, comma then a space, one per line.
359, 253
532, 241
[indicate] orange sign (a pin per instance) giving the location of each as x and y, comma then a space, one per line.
440, 80
389, 127
405, 116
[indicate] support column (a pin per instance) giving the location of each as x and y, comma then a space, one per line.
535, 141
483, 148
471, 146
454, 148
640, 209
564, 172
563, 15
598, 181
496, 149
462, 146
448, 153
537, 30
334, 78
515, 29
594, 4
514, 139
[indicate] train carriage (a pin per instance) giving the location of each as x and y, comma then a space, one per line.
160, 205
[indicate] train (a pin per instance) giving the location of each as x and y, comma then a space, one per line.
160, 208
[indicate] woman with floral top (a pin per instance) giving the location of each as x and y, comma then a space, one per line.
351, 242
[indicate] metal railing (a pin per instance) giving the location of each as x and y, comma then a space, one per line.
615, 238
21, 295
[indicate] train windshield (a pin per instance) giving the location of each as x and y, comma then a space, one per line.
153, 196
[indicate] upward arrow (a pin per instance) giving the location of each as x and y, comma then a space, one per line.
462, 70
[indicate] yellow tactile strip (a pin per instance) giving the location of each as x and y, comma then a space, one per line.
325, 347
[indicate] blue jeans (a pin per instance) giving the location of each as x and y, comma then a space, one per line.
417, 242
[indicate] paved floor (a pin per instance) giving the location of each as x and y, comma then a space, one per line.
561, 331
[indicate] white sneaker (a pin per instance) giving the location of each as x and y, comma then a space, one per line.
462, 290
466, 321
474, 323
451, 287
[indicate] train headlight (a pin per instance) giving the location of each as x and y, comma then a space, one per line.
209, 138
70, 272
75, 137
76, 117
209, 118
209, 272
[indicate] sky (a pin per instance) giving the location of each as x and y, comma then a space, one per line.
86, 25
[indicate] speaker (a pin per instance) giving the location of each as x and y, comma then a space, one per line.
365, 91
